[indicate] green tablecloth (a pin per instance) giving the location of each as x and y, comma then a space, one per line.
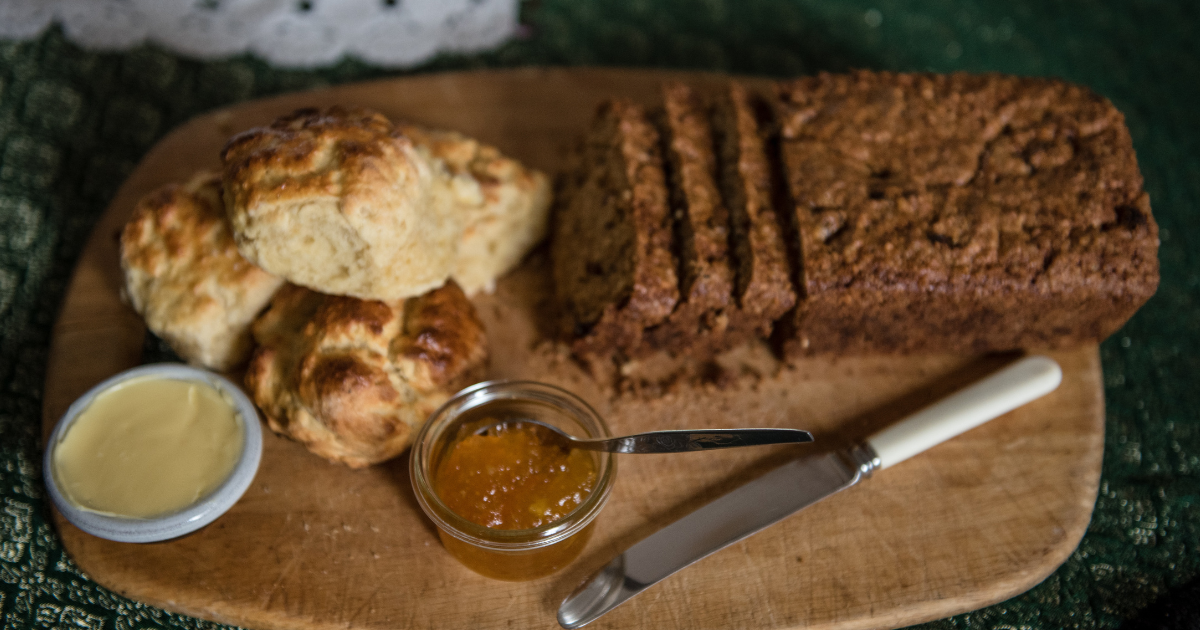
73, 123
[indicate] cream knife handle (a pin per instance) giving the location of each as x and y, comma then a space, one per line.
1022, 382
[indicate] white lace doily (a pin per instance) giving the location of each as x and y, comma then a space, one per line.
295, 33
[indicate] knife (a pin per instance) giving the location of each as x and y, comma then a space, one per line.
799, 483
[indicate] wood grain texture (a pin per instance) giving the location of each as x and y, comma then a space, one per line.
316, 545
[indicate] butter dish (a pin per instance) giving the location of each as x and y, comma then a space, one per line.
153, 453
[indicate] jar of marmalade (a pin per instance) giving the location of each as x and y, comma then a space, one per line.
509, 502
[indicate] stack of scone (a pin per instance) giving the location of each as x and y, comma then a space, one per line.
333, 252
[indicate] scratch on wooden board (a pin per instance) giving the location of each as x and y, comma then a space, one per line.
759, 578
366, 606
512, 601
889, 547
677, 611
268, 598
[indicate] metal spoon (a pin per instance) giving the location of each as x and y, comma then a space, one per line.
669, 441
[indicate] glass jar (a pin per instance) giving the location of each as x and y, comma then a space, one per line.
510, 554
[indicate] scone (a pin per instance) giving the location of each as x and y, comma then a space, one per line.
340, 201
184, 275
504, 205
353, 379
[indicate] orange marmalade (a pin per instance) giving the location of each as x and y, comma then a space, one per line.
514, 476
509, 501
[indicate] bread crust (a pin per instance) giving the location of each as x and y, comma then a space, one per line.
185, 277
354, 379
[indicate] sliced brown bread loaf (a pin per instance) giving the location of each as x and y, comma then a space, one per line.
614, 269
908, 212
962, 213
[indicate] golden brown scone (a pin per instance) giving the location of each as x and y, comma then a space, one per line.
340, 201
353, 379
184, 275
504, 205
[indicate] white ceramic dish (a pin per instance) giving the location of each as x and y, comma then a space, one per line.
188, 519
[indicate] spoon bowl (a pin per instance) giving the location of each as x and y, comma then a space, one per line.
674, 441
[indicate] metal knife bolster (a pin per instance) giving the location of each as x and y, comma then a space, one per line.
743, 511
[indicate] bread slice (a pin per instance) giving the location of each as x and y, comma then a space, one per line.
753, 189
735, 278
614, 269
700, 322
962, 213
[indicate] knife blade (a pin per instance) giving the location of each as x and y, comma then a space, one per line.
791, 487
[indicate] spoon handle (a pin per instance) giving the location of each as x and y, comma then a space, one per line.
704, 440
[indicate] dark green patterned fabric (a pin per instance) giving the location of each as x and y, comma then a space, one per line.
73, 123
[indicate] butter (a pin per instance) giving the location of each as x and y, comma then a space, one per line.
147, 447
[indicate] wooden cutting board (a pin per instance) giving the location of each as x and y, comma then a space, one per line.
316, 545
